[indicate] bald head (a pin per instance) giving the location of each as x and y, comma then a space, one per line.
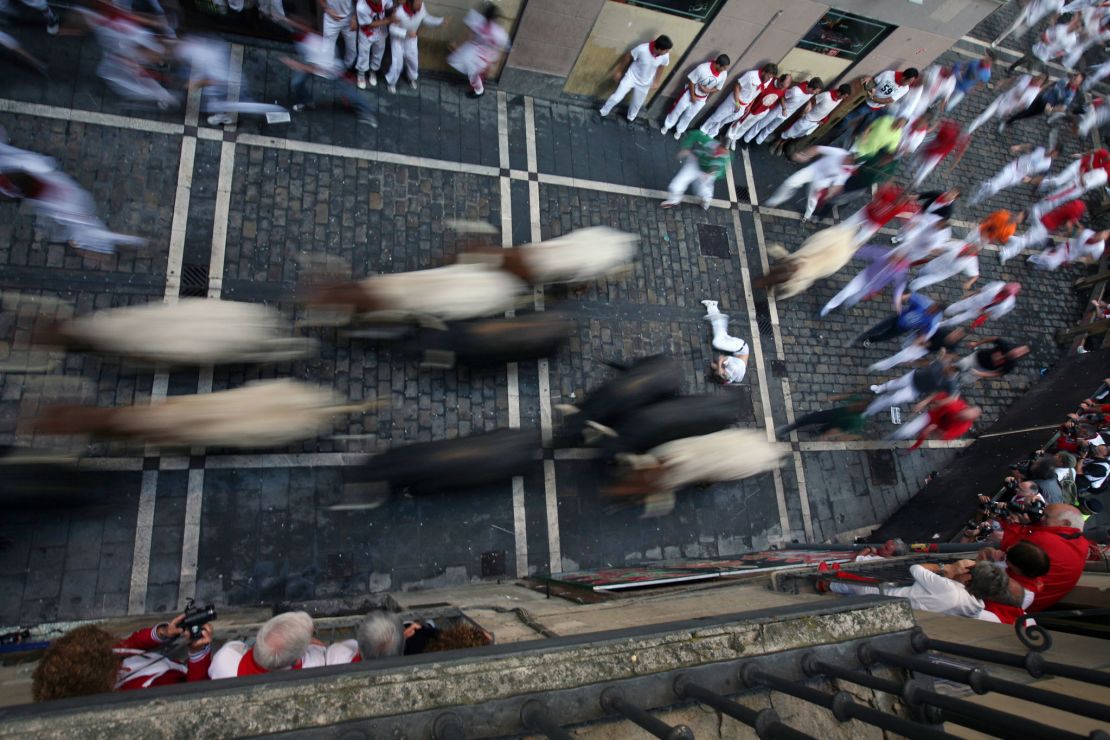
1062, 515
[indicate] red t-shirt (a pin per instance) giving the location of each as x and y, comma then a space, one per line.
946, 138
768, 98
1094, 160
944, 416
1057, 217
1066, 548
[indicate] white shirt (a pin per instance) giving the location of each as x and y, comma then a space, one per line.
404, 23
645, 64
887, 86
1034, 162
225, 663
750, 84
319, 53
823, 105
340, 7
367, 15
342, 652
1080, 246
207, 59
932, 592
794, 98
735, 369
1056, 42
705, 80
830, 168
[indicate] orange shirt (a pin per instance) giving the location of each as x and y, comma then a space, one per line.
998, 227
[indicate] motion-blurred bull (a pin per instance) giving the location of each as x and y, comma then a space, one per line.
488, 342
451, 293
193, 331
646, 381
727, 455
674, 418
823, 254
581, 256
466, 462
264, 413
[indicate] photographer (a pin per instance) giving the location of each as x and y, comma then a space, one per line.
1060, 535
90, 660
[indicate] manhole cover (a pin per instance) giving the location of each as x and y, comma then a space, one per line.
713, 241
883, 469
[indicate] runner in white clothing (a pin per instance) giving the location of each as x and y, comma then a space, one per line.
639, 72
820, 109
731, 365
1031, 14
372, 18
1016, 99
339, 20
832, 168
1035, 161
1096, 114
735, 105
767, 100
706, 79
1068, 192
994, 300
957, 257
408, 17
795, 97
1086, 246
486, 43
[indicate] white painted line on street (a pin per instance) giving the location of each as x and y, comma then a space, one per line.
799, 469
543, 369
753, 198
190, 541
369, 155
520, 527
180, 218
144, 533
87, 116
882, 444
220, 219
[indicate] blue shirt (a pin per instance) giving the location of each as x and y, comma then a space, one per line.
914, 316
967, 75
1059, 94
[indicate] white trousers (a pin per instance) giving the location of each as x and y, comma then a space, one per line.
1067, 175
1009, 176
690, 174
1069, 192
804, 176
910, 430
800, 128
745, 128
683, 112
405, 53
768, 126
892, 393
988, 113
726, 113
370, 52
854, 289
333, 29
722, 340
1036, 236
908, 354
625, 86
1051, 258
928, 164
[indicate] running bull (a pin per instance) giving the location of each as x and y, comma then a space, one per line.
731, 454
671, 419
465, 462
581, 256
644, 382
451, 293
486, 342
264, 413
823, 254
193, 331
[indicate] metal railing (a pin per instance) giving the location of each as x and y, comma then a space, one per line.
914, 659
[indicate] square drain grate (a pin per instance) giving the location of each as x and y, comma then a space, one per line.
883, 469
713, 241
194, 281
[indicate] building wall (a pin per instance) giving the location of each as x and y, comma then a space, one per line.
551, 34
905, 47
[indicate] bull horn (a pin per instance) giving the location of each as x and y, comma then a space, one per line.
355, 408
566, 409
603, 430
777, 251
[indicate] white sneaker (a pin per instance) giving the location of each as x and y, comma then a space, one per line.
603, 113
219, 119
705, 204
874, 389
361, 81
412, 84
732, 144
664, 130
708, 303
392, 89
373, 79
677, 135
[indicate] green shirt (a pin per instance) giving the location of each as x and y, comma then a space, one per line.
705, 147
879, 135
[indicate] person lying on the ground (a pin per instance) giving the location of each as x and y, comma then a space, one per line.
731, 365
90, 660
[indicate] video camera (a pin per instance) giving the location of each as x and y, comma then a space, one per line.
1034, 509
196, 617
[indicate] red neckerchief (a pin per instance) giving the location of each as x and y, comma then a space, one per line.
357, 658
376, 8
408, 7
714, 69
248, 667
834, 95
898, 78
651, 48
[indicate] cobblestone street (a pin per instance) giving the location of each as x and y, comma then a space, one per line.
243, 213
